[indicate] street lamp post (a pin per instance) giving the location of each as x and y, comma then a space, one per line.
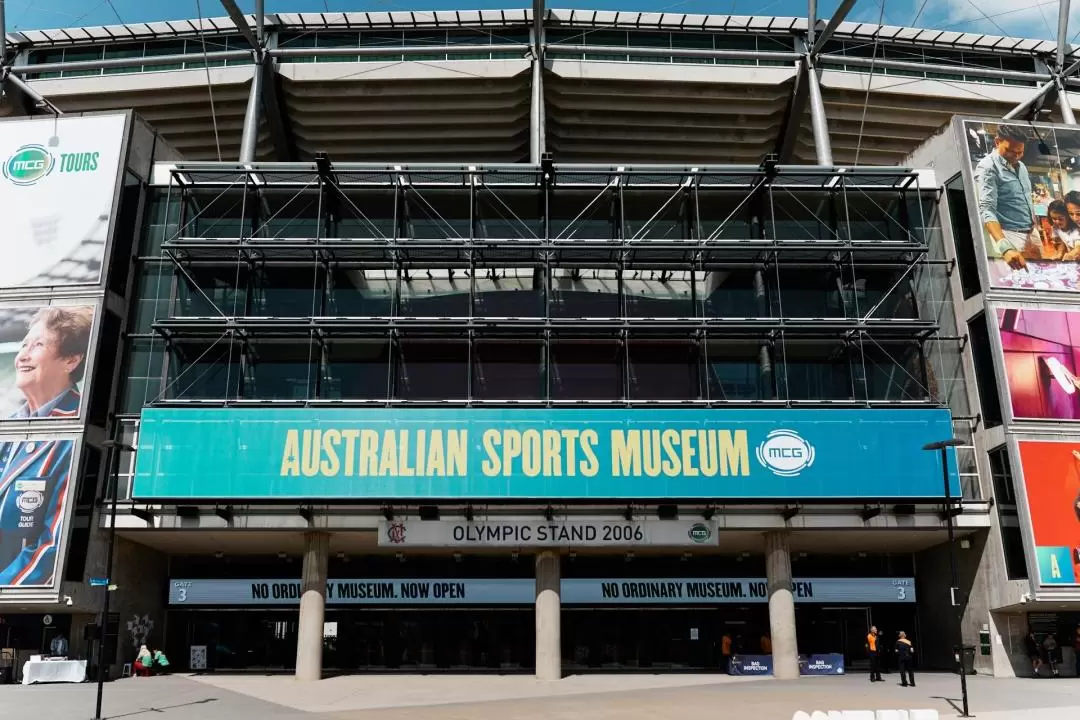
942, 447
112, 478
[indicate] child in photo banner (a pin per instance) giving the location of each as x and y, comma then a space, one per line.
1064, 241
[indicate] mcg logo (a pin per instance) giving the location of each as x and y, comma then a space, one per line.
785, 453
29, 164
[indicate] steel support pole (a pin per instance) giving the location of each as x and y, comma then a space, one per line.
820, 124
252, 114
811, 21
260, 23
112, 482
1025, 106
31, 93
954, 580
1063, 102
1062, 33
537, 130
3, 48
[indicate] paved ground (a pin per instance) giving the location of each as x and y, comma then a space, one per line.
590, 697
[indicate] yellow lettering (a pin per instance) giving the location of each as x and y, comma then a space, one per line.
511, 449
531, 455
707, 451
404, 469
290, 459
570, 443
458, 451
733, 453
369, 453
388, 456
421, 447
650, 450
436, 457
591, 464
552, 453
1055, 568
330, 464
309, 458
626, 453
491, 466
350, 436
688, 465
670, 441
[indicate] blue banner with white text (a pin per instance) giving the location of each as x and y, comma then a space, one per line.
413, 454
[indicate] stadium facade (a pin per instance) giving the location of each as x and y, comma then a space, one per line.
538, 340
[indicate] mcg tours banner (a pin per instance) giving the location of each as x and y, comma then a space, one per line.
58, 186
341, 453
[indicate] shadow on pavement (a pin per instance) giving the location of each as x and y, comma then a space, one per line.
161, 709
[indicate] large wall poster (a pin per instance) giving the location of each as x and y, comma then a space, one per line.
1041, 356
36, 484
1026, 199
57, 187
1052, 488
43, 359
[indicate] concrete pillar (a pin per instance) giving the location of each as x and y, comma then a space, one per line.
548, 620
785, 646
309, 642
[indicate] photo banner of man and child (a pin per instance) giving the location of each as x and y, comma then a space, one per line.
43, 358
1027, 202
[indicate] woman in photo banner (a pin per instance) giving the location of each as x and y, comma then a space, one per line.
34, 474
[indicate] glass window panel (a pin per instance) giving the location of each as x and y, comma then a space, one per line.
356, 370
730, 293
577, 293
890, 288
656, 215
124, 50
1013, 546
366, 214
735, 370
287, 291
658, 293
77, 54
432, 370
607, 37
509, 292
338, 40
696, 40
814, 371
281, 369
576, 214
216, 214
800, 216
663, 371
437, 214
966, 259
211, 291
893, 371
162, 220
204, 369
286, 214
982, 354
508, 371
586, 371
735, 42
509, 214
725, 215
798, 293
864, 217
434, 293
142, 373
1001, 475
361, 293
152, 294
158, 48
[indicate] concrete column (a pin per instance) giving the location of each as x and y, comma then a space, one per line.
781, 606
309, 643
818, 121
548, 620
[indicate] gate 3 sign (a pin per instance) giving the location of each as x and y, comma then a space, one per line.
530, 532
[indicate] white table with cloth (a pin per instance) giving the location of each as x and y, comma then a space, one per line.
53, 671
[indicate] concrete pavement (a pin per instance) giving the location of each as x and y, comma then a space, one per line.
520, 697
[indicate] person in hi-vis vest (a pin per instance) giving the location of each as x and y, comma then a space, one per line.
35, 474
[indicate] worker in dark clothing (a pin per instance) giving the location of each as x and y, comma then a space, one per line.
905, 656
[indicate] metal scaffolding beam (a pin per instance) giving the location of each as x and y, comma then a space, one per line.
834, 22
537, 116
789, 131
1063, 49
249, 138
818, 119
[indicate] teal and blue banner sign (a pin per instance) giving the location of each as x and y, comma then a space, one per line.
651, 454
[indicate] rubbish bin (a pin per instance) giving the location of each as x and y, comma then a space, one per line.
968, 661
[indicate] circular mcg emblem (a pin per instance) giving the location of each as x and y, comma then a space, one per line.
28, 164
396, 533
30, 500
700, 533
785, 453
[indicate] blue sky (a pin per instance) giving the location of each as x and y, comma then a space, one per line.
1023, 18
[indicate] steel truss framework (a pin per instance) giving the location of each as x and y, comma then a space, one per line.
631, 261
1060, 70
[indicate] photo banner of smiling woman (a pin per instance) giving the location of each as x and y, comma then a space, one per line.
43, 353
58, 182
1023, 192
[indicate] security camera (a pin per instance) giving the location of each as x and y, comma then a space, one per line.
68, 601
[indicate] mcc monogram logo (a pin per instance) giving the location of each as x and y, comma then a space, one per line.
785, 453
396, 533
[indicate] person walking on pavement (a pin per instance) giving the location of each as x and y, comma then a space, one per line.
872, 653
725, 651
1034, 652
905, 656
